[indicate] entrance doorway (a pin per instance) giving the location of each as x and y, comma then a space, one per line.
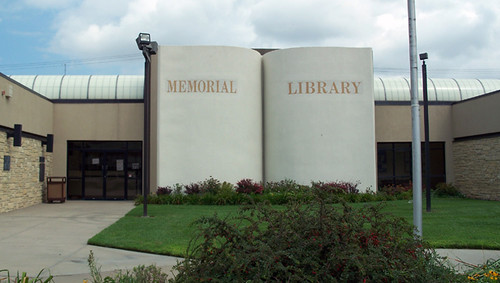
104, 170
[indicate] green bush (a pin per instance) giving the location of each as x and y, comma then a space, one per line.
139, 274
283, 186
210, 185
447, 190
313, 242
397, 191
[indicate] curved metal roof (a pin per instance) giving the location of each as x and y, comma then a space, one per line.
398, 89
85, 87
131, 87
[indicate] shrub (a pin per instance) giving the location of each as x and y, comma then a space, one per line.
337, 187
227, 195
283, 186
396, 189
279, 193
164, 191
247, 186
192, 189
447, 190
311, 242
210, 186
139, 274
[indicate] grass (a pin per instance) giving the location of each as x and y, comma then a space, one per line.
453, 223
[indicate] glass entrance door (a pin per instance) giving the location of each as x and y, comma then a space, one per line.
104, 170
93, 182
134, 178
114, 176
104, 175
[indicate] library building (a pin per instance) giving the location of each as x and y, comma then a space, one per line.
304, 114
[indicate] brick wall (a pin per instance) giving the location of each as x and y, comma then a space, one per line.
477, 167
20, 186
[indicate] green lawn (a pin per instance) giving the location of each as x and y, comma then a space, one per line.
453, 223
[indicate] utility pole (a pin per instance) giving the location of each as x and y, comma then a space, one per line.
415, 117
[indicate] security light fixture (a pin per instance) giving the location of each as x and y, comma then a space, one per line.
424, 56
145, 44
143, 39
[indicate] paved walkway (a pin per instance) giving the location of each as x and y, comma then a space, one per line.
54, 237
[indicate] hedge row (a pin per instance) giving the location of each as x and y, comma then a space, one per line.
213, 192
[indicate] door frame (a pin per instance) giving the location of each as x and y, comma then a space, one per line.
104, 165
83, 148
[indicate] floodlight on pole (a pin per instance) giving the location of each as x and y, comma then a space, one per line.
142, 40
148, 48
423, 57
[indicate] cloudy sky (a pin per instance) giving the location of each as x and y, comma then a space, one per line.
462, 37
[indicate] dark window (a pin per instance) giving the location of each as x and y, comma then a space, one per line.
6, 163
41, 173
394, 163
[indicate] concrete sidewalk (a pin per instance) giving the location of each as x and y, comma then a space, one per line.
54, 237
463, 260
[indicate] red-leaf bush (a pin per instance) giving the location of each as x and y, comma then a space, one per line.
247, 186
192, 189
313, 242
337, 187
164, 191
397, 191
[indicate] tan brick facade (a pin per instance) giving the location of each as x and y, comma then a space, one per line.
477, 167
20, 186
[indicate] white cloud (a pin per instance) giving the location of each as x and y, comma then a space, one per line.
449, 30
84, 31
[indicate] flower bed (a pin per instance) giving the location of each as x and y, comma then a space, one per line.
214, 192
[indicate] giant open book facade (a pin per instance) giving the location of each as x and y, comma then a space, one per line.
305, 114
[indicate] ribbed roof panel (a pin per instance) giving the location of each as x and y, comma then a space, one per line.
447, 89
130, 87
102, 87
396, 89
25, 80
75, 87
97, 87
378, 89
48, 86
490, 84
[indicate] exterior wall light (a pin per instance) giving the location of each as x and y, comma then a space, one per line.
49, 143
17, 134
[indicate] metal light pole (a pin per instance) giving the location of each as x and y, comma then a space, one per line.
148, 48
415, 117
427, 153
